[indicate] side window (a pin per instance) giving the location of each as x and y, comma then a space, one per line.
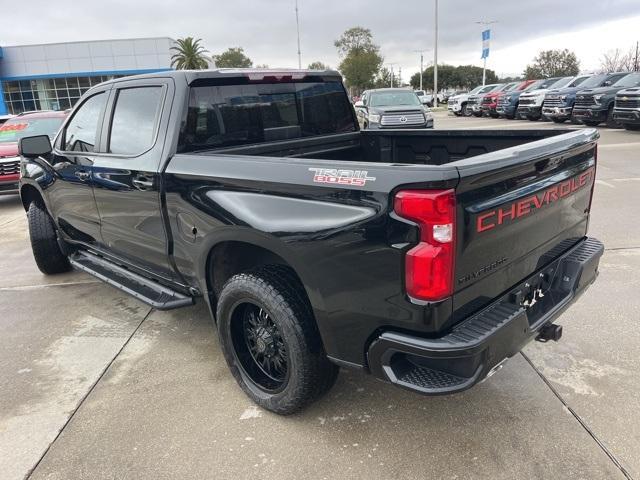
134, 120
80, 133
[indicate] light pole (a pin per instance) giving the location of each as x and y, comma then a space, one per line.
298, 30
421, 64
391, 72
485, 23
435, 61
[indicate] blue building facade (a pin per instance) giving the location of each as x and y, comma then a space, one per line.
54, 76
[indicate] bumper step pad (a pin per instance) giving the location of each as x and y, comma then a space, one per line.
476, 347
142, 288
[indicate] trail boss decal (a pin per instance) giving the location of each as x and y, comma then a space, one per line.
353, 178
528, 205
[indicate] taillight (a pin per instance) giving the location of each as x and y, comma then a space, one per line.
429, 265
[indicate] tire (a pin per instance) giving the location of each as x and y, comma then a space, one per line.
629, 126
264, 316
558, 120
590, 123
465, 110
611, 122
49, 258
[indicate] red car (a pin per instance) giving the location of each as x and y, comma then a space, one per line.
23, 125
489, 102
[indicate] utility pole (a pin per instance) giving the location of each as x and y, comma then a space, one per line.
298, 30
399, 76
391, 72
421, 65
435, 61
485, 23
636, 64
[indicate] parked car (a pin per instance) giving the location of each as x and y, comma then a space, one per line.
626, 109
595, 105
489, 103
392, 108
426, 258
507, 104
558, 103
11, 131
532, 102
473, 102
457, 104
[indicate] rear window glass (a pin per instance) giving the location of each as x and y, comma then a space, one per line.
227, 115
17, 128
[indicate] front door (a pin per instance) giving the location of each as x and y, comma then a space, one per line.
126, 178
72, 203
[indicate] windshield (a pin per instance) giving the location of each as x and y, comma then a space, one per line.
631, 80
509, 87
534, 86
13, 130
419, 93
561, 83
476, 90
578, 81
548, 82
388, 99
488, 88
594, 81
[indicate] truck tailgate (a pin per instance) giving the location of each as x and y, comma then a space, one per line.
517, 210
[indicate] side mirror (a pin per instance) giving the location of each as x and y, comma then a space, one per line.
359, 104
607, 83
35, 146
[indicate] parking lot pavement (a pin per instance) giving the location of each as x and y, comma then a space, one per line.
147, 395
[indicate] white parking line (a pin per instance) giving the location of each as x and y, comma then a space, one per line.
606, 184
619, 145
630, 179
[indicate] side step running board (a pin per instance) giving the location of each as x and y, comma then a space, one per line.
145, 290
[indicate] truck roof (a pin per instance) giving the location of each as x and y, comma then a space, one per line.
252, 73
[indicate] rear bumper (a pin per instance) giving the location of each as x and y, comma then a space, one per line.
477, 346
629, 116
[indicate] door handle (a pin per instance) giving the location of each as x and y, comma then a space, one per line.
142, 183
82, 175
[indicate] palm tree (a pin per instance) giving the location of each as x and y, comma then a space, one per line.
190, 55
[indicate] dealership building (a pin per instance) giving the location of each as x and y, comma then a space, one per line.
53, 76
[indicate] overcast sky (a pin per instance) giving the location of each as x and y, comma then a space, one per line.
266, 29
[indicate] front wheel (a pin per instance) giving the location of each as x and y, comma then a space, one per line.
558, 120
47, 253
590, 123
270, 340
465, 110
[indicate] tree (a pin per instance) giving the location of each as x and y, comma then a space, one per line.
232, 58
318, 66
618, 61
190, 55
553, 63
450, 77
383, 79
361, 59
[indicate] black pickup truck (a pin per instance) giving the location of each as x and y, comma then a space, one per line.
426, 258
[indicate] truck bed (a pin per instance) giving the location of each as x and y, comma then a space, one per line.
416, 147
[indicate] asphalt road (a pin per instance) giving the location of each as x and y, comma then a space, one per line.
96, 385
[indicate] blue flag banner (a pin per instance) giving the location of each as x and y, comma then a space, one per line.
486, 36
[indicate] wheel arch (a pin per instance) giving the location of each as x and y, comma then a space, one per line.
29, 194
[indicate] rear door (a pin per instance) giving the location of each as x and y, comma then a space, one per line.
126, 178
517, 209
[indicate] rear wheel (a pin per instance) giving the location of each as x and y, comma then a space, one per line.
629, 126
47, 253
465, 110
612, 122
270, 340
591, 123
